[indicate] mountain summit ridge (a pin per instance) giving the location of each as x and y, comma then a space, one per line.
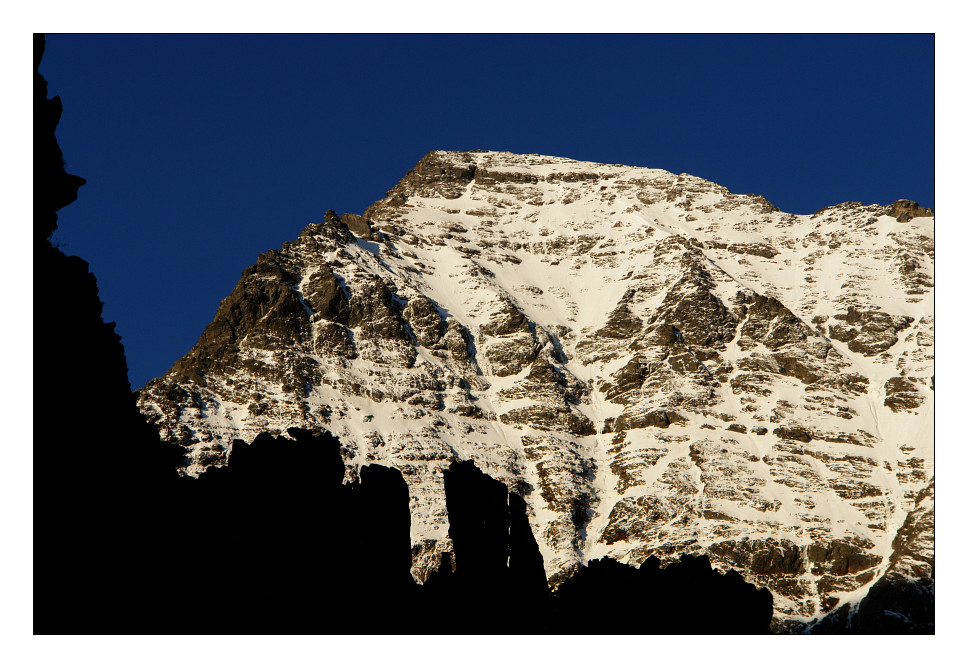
656, 365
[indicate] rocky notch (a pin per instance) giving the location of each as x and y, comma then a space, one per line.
655, 365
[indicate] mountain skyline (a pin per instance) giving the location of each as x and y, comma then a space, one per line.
201, 152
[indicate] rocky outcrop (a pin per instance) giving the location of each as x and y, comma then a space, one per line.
359, 226
902, 394
867, 332
904, 210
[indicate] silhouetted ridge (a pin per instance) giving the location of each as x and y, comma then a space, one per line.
498, 582
102, 478
684, 597
285, 545
525, 564
54, 188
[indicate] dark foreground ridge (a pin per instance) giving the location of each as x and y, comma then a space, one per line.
274, 542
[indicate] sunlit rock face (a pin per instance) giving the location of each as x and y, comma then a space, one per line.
656, 365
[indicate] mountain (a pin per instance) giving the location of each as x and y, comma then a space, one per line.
656, 366
274, 542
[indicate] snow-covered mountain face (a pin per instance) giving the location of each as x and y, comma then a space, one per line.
657, 365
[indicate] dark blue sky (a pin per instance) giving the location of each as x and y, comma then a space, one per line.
203, 151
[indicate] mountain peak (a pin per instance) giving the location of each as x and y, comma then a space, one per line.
656, 365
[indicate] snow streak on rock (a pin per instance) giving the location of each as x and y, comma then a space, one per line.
657, 365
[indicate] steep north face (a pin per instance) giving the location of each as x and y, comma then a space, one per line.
658, 366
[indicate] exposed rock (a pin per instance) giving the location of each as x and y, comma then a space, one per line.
425, 321
333, 338
262, 312
794, 432
621, 323
492, 176
763, 557
629, 377
657, 418
326, 296
331, 228
868, 332
542, 418
905, 209
698, 314
510, 354
359, 226
458, 339
760, 250
507, 320
372, 311
773, 324
902, 394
